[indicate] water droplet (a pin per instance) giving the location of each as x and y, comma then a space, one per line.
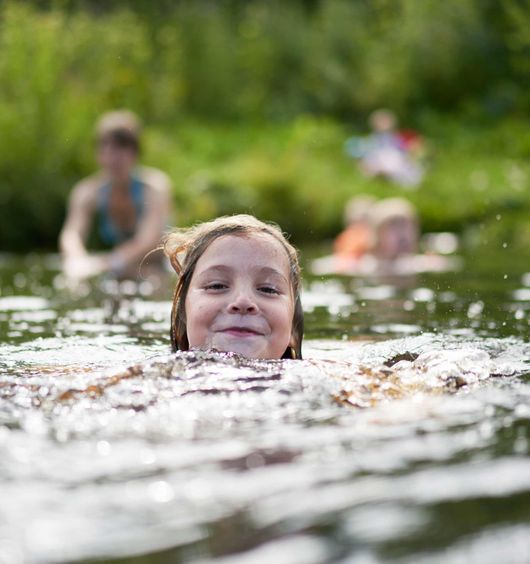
20, 280
161, 491
520, 445
475, 309
103, 448
422, 295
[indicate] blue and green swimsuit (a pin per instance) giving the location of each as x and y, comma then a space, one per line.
109, 232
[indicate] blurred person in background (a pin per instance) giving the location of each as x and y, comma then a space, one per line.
382, 236
356, 239
388, 152
396, 249
396, 229
132, 204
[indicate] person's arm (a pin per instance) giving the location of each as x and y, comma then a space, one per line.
157, 205
78, 218
77, 263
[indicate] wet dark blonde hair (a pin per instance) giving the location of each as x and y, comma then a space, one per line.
184, 248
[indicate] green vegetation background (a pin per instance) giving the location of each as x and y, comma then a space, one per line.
247, 105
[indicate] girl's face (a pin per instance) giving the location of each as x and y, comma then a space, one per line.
240, 297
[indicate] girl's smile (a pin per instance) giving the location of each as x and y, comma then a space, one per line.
240, 297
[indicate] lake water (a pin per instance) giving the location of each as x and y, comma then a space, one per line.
402, 437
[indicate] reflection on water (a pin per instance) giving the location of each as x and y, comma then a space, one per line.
403, 436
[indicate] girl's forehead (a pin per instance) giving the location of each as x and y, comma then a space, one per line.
245, 248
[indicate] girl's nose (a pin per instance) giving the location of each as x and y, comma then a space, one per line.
243, 303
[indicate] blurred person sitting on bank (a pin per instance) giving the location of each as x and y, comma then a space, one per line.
132, 203
388, 152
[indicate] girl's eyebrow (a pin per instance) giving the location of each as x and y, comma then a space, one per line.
273, 272
221, 268
217, 267
267, 270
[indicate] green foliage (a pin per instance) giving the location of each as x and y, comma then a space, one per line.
296, 174
235, 93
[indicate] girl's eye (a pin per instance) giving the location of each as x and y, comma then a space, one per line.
215, 286
268, 290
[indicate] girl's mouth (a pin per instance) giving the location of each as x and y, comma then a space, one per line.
241, 332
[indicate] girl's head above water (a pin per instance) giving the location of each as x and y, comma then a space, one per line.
238, 289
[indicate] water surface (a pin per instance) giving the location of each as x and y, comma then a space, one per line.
403, 436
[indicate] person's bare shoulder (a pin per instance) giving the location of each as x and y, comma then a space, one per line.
156, 179
85, 192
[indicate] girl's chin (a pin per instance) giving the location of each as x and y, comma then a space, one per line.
249, 347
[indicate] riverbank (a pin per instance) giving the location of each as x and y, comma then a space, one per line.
297, 174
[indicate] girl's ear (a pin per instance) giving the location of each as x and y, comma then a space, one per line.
290, 353
294, 350
292, 347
